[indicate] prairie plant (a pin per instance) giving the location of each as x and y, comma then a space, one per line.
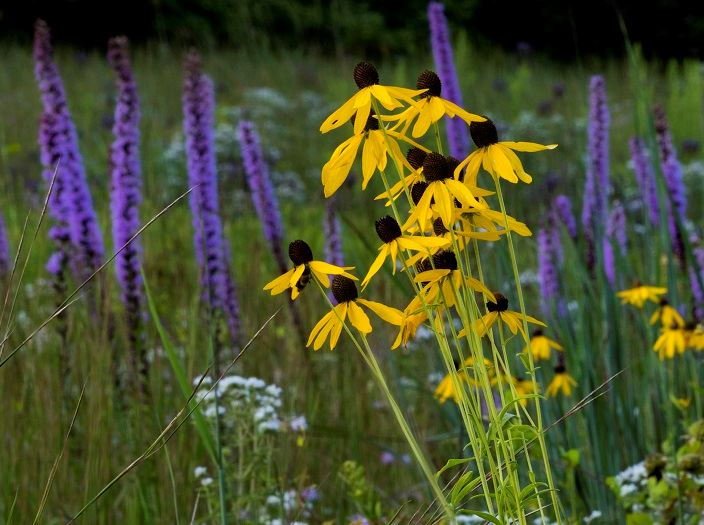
439, 220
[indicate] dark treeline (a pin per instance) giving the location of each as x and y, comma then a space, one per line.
563, 29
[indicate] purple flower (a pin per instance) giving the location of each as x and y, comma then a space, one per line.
547, 270
563, 209
645, 177
609, 261
332, 230
5, 261
126, 183
262, 190
71, 205
696, 279
387, 458
672, 174
616, 226
310, 494
457, 136
209, 240
598, 141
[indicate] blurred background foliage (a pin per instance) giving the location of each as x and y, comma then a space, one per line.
566, 30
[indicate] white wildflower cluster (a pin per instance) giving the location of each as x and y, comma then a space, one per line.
632, 479
201, 474
281, 507
593, 516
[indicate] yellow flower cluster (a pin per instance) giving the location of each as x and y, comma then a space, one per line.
676, 336
438, 211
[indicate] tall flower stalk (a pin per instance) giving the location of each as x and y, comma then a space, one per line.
210, 247
71, 204
563, 210
597, 185
126, 195
645, 178
457, 136
676, 203
548, 256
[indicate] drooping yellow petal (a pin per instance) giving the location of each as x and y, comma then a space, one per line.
339, 117
363, 112
430, 276
500, 165
515, 164
528, 147
318, 326
358, 318
376, 265
341, 312
443, 202
297, 274
462, 194
281, 283
387, 313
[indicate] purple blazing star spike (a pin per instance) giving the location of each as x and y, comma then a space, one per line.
209, 240
547, 271
609, 261
696, 279
676, 205
73, 206
645, 177
563, 209
457, 136
598, 141
126, 186
5, 261
332, 230
262, 190
616, 226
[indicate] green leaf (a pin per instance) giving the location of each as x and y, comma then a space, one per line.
638, 518
451, 463
485, 516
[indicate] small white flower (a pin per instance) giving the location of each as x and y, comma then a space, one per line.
299, 424
200, 471
595, 515
627, 489
206, 481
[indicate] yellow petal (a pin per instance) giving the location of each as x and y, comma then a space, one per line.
376, 265
339, 117
387, 313
359, 319
318, 326
527, 146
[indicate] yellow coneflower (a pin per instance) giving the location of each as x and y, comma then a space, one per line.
375, 152
524, 387
540, 346
442, 189
561, 382
345, 292
394, 240
445, 279
414, 157
497, 158
430, 108
638, 295
498, 309
488, 220
672, 341
360, 104
446, 388
298, 277
667, 315
695, 337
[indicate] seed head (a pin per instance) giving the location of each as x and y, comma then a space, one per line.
417, 191
365, 75
387, 229
343, 289
435, 167
501, 304
299, 252
431, 81
445, 260
439, 227
415, 157
484, 133
560, 369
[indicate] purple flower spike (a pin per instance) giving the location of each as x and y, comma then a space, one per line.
616, 226
71, 203
563, 209
672, 174
126, 187
547, 271
5, 260
696, 278
598, 141
609, 261
332, 230
209, 240
645, 177
457, 136
262, 190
